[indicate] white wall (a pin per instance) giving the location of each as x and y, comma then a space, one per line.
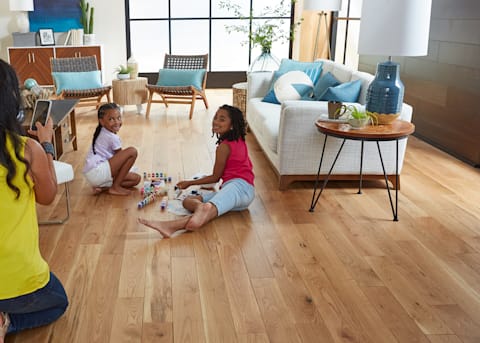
109, 28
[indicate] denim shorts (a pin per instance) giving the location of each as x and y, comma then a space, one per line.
100, 176
38, 308
234, 195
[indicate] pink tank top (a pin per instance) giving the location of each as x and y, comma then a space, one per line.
238, 163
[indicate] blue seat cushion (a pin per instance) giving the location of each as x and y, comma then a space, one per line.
77, 80
181, 78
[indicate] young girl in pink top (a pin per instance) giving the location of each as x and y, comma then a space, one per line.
232, 165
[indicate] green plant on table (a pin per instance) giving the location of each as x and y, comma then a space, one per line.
262, 33
86, 17
122, 69
355, 113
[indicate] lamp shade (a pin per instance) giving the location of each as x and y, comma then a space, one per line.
21, 5
394, 27
322, 5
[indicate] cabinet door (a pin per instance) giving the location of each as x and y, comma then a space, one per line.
32, 63
80, 51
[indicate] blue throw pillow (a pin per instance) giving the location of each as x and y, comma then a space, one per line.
181, 77
293, 85
327, 80
77, 80
346, 92
287, 65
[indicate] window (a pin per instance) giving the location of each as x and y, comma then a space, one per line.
194, 27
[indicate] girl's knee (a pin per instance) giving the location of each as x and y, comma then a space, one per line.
132, 151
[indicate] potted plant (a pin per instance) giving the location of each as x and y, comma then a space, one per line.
123, 72
359, 118
86, 19
262, 33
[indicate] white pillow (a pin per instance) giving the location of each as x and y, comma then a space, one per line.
293, 85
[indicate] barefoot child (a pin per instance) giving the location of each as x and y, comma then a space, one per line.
232, 165
107, 166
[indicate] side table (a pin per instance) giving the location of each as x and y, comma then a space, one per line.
130, 92
239, 100
395, 131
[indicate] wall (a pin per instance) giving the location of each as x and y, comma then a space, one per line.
109, 30
444, 87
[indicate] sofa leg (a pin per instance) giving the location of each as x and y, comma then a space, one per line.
284, 182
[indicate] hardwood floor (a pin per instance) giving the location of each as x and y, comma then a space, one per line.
274, 273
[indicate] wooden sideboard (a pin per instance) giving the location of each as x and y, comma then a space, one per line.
34, 62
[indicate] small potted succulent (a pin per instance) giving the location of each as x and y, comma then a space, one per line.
123, 72
359, 118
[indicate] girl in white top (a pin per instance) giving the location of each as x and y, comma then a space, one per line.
107, 166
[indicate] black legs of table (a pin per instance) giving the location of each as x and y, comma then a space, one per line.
316, 197
315, 200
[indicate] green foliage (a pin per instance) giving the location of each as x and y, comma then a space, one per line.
268, 31
121, 69
86, 17
355, 113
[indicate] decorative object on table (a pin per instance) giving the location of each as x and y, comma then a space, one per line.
182, 80
360, 118
86, 19
392, 28
33, 92
133, 65
22, 7
79, 78
123, 72
336, 109
262, 33
46, 37
324, 6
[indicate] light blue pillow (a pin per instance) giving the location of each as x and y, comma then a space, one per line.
292, 85
346, 92
77, 80
181, 77
327, 80
287, 65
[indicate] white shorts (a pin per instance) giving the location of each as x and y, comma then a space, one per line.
100, 176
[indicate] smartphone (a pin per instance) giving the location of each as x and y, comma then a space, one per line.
41, 112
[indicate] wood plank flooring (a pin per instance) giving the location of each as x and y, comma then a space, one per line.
274, 273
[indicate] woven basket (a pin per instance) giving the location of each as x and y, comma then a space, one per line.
383, 119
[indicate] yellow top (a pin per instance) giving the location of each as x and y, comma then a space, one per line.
22, 268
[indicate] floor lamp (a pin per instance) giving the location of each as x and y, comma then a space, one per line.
392, 28
324, 6
22, 7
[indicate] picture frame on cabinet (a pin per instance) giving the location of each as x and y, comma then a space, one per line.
47, 37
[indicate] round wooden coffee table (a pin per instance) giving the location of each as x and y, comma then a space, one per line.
395, 131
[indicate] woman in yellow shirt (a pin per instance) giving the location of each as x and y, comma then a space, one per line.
30, 295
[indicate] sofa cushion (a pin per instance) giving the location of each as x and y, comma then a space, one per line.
77, 80
287, 65
345, 92
293, 85
327, 80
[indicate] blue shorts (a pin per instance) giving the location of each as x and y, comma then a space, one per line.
234, 195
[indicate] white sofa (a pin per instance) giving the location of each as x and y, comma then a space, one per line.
290, 140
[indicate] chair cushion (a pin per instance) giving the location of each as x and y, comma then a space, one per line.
77, 80
181, 78
63, 171
327, 80
345, 92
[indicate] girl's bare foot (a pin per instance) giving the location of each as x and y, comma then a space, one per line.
118, 191
98, 190
202, 215
166, 228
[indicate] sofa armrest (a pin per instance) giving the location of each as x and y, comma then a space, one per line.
258, 84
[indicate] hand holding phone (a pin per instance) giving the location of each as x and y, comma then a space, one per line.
41, 113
